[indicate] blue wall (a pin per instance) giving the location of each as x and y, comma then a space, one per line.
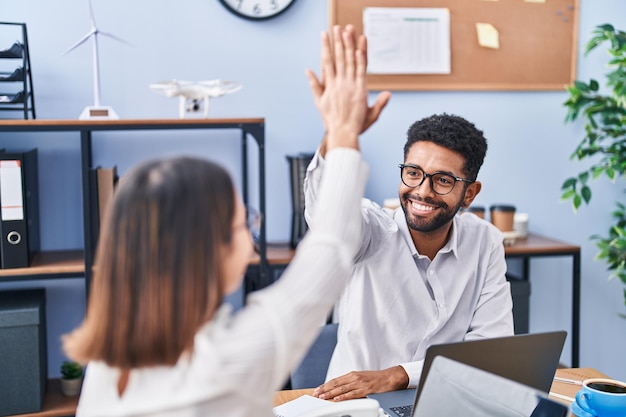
528, 157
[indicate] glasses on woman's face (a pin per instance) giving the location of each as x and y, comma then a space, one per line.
440, 182
254, 221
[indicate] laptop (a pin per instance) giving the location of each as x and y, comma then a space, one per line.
455, 389
529, 359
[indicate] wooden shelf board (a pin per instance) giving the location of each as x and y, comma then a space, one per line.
69, 262
277, 254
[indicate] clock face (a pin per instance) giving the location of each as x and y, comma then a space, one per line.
257, 9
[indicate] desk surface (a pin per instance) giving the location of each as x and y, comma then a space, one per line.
560, 391
539, 245
282, 253
56, 405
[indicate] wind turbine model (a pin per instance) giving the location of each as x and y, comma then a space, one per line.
97, 111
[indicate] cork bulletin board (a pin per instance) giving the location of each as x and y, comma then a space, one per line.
537, 44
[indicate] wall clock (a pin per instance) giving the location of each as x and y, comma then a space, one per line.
257, 9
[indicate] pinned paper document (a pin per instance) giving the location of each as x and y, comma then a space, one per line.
535, 1
487, 35
407, 40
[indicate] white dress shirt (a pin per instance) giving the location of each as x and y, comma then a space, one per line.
398, 302
240, 360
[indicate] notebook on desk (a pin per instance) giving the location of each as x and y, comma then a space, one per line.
529, 359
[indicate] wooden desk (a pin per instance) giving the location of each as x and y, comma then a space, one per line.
534, 246
564, 392
56, 405
281, 397
560, 391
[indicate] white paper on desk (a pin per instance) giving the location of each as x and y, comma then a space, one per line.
407, 40
299, 406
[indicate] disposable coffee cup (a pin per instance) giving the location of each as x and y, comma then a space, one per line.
502, 216
520, 224
602, 397
477, 210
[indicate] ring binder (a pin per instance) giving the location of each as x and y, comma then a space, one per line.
19, 213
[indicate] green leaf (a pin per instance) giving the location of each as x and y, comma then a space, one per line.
583, 177
577, 202
597, 171
586, 193
581, 86
568, 194
606, 27
610, 172
569, 183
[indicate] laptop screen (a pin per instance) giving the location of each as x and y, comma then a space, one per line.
530, 359
455, 389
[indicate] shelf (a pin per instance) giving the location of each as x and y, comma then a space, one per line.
78, 263
249, 127
14, 52
19, 97
277, 254
50, 125
13, 98
49, 264
55, 404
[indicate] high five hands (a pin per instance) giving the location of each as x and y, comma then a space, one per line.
341, 93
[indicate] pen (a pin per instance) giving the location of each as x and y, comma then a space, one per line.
567, 380
562, 397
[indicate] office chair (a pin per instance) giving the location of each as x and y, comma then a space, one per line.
312, 370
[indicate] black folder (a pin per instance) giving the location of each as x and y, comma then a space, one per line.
19, 213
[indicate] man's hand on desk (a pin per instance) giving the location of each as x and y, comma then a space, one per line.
359, 384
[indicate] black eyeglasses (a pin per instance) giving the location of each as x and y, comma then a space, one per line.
440, 182
253, 221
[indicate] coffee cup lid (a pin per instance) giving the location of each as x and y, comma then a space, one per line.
502, 207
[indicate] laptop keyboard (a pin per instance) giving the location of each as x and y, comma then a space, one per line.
403, 411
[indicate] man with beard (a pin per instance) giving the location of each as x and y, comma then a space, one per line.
423, 274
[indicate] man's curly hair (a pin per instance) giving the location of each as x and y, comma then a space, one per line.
454, 133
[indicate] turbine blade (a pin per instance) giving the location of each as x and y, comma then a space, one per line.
92, 18
81, 41
112, 36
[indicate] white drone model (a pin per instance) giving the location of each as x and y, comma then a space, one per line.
190, 93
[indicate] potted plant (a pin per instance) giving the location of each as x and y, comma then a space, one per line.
71, 378
603, 109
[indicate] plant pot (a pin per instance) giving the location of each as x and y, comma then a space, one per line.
71, 387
